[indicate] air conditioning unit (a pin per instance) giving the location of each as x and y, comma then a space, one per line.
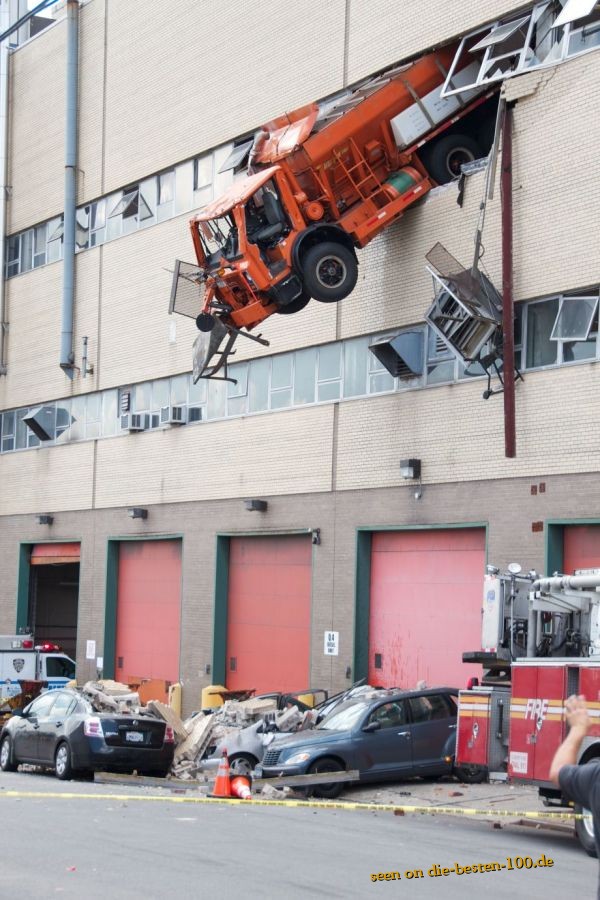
173, 415
134, 422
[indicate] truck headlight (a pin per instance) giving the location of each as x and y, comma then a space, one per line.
297, 758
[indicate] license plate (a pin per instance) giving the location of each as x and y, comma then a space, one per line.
135, 737
258, 771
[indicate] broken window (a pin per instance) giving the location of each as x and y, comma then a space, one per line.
574, 319
132, 209
510, 47
440, 359
238, 156
575, 9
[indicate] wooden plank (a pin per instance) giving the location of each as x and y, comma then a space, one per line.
172, 784
307, 780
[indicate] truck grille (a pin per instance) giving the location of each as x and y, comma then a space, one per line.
271, 757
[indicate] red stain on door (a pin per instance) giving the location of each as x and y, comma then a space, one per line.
425, 607
268, 617
148, 610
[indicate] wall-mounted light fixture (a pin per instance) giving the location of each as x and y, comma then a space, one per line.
256, 505
136, 512
45, 520
316, 536
410, 469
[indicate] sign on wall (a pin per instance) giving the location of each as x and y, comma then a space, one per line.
331, 643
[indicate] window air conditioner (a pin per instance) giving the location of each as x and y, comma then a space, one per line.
173, 415
134, 422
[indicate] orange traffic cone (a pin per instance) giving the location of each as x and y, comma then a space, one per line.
221, 787
240, 787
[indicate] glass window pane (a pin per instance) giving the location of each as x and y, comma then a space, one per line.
258, 385
381, 381
82, 228
540, 320
161, 392
355, 367
53, 247
39, 245
203, 171
77, 419
93, 411
184, 175
63, 420
179, 390
27, 250
239, 371
574, 319
281, 371
166, 187
330, 362
110, 400
236, 406
440, 372
142, 397
217, 395
573, 352
197, 392
12, 255
281, 399
305, 362
114, 223
329, 390
21, 436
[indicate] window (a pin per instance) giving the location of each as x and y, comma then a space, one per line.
203, 179
8, 431
574, 319
82, 228
41, 705
281, 381
380, 379
389, 715
39, 245
433, 706
237, 393
55, 239
539, 323
63, 420
131, 209
440, 360
238, 156
64, 703
329, 372
12, 255
27, 250
56, 667
258, 385
166, 195
355, 366
98, 223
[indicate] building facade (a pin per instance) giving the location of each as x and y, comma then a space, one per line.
199, 588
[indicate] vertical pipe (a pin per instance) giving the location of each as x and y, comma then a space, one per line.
4, 51
510, 449
66, 336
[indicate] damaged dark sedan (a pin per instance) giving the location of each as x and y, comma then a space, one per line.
61, 730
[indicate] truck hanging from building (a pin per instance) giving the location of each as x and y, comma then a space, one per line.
540, 644
321, 182
21, 661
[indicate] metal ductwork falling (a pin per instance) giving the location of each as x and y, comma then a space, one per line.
401, 354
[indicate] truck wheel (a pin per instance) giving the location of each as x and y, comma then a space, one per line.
295, 306
471, 774
242, 764
330, 272
62, 762
6, 763
328, 791
445, 156
584, 829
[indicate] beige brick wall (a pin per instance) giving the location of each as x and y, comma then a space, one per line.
384, 31
43, 480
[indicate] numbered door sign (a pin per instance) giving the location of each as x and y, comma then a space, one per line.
332, 643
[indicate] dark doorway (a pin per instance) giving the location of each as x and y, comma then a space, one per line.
53, 598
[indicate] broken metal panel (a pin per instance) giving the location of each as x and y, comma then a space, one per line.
42, 421
499, 33
575, 9
209, 344
401, 354
187, 290
237, 157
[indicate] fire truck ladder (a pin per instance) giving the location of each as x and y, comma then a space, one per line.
361, 176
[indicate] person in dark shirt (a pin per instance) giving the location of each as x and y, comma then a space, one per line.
581, 784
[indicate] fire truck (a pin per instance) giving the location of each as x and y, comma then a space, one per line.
321, 182
540, 644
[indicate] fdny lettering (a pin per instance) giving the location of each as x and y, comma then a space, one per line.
536, 708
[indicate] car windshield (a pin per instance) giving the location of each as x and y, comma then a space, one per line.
219, 236
344, 716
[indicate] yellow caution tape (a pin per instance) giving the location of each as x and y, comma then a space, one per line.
303, 804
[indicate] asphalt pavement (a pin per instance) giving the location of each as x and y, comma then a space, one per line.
78, 839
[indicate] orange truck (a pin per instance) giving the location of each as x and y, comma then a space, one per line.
322, 181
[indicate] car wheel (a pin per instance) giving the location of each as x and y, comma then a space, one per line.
444, 157
62, 762
329, 271
6, 760
242, 764
471, 774
584, 829
327, 764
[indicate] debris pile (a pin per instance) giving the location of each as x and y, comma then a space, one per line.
112, 696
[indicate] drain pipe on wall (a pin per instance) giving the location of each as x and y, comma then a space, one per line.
67, 358
510, 441
4, 51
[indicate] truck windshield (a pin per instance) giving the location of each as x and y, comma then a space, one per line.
60, 667
219, 238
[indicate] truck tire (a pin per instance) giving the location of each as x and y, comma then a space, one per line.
6, 762
330, 272
295, 306
471, 774
445, 156
62, 762
584, 829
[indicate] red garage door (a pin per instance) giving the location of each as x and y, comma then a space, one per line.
425, 608
148, 610
268, 615
581, 547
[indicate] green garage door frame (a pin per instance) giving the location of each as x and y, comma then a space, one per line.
112, 576
219, 663
553, 549
23, 576
362, 603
